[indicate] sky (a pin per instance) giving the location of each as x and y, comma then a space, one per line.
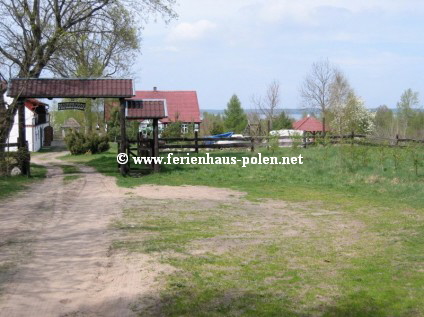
225, 47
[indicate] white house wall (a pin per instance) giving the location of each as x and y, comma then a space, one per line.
34, 134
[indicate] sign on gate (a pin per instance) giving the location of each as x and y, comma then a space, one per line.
71, 105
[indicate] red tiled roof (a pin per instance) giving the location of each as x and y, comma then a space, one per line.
181, 105
146, 109
308, 124
71, 88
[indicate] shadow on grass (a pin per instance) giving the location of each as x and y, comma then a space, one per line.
184, 301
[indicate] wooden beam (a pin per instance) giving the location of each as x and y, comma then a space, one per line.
123, 144
22, 142
156, 167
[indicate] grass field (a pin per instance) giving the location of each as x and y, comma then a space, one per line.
340, 235
10, 185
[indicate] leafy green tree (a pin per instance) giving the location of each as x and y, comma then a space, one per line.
211, 124
114, 126
235, 119
282, 121
351, 116
384, 122
172, 130
217, 128
406, 112
416, 125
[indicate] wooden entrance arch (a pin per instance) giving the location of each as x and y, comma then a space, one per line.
23, 88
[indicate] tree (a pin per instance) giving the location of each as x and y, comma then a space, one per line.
109, 49
356, 117
282, 121
172, 130
114, 126
408, 100
235, 118
317, 88
384, 122
217, 128
211, 124
270, 103
32, 34
340, 94
352, 116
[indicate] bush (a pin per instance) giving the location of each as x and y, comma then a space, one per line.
172, 130
80, 143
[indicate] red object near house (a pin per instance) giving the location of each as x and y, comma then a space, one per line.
33, 104
309, 124
181, 105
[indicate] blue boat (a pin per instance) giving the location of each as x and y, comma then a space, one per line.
216, 137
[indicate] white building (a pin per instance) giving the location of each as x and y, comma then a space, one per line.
37, 119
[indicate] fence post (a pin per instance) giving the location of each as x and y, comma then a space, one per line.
397, 139
252, 144
304, 139
196, 141
352, 136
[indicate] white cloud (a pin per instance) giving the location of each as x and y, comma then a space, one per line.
190, 31
304, 11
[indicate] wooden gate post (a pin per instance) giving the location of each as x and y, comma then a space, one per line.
156, 167
123, 144
22, 142
196, 142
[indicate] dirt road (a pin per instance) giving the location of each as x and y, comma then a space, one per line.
55, 257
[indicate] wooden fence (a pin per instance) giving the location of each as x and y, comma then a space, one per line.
196, 143
8, 145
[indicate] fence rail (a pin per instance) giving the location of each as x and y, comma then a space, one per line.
7, 145
306, 140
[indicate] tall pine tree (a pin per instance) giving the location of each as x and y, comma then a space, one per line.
235, 119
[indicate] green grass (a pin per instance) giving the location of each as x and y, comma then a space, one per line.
255, 259
353, 176
70, 178
352, 243
69, 169
11, 185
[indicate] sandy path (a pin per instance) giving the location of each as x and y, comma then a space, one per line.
57, 237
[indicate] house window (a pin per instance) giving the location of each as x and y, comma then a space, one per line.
184, 128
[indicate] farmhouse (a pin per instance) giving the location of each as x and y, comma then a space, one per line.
37, 125
182, 106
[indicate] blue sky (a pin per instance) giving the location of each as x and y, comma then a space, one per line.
219, 47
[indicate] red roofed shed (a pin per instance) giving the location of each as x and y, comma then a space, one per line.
309, 124
181, 105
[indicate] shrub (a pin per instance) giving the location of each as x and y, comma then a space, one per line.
172, 130
80, 143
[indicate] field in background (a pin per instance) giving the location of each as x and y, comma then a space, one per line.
374, 175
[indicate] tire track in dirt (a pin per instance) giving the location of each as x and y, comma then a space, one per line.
58, 237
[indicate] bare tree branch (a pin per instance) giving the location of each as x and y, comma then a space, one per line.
316, 88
